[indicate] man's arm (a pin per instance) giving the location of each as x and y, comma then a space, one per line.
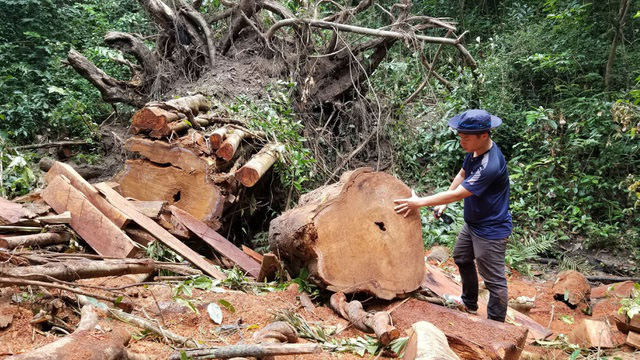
414, 203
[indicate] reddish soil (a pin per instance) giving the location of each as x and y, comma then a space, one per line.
20, 336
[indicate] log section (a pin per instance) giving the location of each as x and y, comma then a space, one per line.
349, 237
191, 192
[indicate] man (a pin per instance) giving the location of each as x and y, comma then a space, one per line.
483, 183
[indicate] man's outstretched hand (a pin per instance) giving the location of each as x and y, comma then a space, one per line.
407, 206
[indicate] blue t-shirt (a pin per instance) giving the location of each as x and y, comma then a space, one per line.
487, 210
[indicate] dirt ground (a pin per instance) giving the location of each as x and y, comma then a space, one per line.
257, 310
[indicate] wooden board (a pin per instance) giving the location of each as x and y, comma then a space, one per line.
92, 225
113, 214
633, 339
158, 232
217, 241
10, 212
151, 209
255, 255
436, 281
592, 334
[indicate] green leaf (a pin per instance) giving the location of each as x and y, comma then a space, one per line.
227, 305
118, 301
183, 355
568, 319
575, 354
202, 283
57, 90
566, 295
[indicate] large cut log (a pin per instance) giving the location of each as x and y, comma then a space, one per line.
219, 243
436, 281
89, 192
192, 192
158, 232
378, 322
92, 225
469, 336
156, 117
161, 152
87, 342
75, 270
40, 240
350, 239
253, 170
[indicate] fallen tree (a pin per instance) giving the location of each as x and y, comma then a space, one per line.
353, 219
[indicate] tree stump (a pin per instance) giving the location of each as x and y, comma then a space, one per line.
350, 239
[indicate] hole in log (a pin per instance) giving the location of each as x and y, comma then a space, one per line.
176, 197
380, 225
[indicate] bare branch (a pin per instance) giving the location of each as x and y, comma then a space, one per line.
362, 6
134, 46
112, 90
193, 15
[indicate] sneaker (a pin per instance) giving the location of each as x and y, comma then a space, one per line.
456, 302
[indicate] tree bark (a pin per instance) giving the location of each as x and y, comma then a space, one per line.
353, 219
39, 240
112, 90
231, 144
75, 270
253, 350
216, 138
624, 8
258, 165
156, 117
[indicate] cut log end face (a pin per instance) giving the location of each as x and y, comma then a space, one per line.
357, 241
383, 251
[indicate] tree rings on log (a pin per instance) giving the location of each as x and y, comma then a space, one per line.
350, 238
189, 191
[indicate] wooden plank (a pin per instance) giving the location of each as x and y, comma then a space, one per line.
63, 218
436, 281
151, 209
158, 232
254, 254
633, 339
92, 225
10, 212
592, 334
217, 241
113, 214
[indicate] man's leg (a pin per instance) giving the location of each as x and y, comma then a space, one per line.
490, 259
463, 256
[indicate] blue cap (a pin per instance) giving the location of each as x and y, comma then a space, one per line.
474, 121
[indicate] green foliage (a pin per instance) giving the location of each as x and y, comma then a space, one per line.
520, 250
275, 117
572, 148
323, 334
39, 94
306, 285
17, 177
631, 305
